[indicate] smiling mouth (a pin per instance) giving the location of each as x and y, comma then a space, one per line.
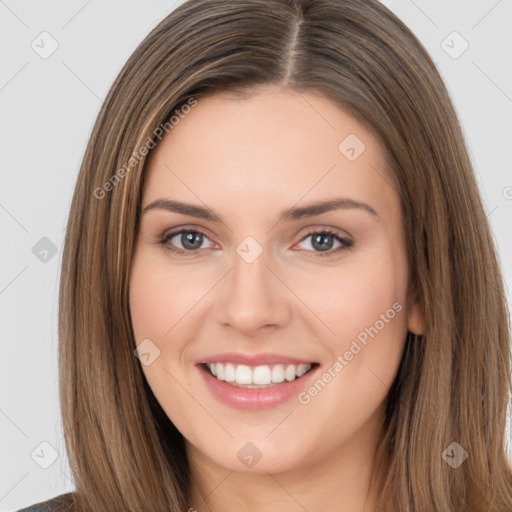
255, 377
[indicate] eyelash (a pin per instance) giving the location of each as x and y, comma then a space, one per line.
345, 244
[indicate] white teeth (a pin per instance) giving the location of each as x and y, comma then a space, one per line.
219, 371
289, 373
261, 375
302, 369
257, 376
277, 373
243, 374
229, 372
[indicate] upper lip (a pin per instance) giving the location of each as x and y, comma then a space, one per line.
253, 359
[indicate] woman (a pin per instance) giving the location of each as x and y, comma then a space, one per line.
280, 290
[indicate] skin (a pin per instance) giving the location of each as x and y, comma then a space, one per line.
248, 160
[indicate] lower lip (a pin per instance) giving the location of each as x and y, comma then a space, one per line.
260, 398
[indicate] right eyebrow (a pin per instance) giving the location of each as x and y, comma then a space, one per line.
183, 208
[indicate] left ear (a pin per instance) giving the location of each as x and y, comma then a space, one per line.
415, 318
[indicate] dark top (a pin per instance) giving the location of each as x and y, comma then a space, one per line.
61, 503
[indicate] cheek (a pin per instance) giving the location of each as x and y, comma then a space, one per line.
353, 298
160, 298
363, 304
165, 302
365, 308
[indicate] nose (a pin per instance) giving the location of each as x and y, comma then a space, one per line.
255, 299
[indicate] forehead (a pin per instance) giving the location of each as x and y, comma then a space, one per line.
273, 147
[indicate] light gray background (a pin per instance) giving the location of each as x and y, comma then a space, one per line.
48, 108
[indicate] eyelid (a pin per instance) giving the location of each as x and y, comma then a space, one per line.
316, 228
171, 233
346, 242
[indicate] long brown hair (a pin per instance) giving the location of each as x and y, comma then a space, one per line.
453, 383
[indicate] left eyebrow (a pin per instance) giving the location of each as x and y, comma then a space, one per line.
292, 214
300, 212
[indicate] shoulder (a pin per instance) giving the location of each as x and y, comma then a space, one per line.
61, 503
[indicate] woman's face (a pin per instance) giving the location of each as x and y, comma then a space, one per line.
269, 282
